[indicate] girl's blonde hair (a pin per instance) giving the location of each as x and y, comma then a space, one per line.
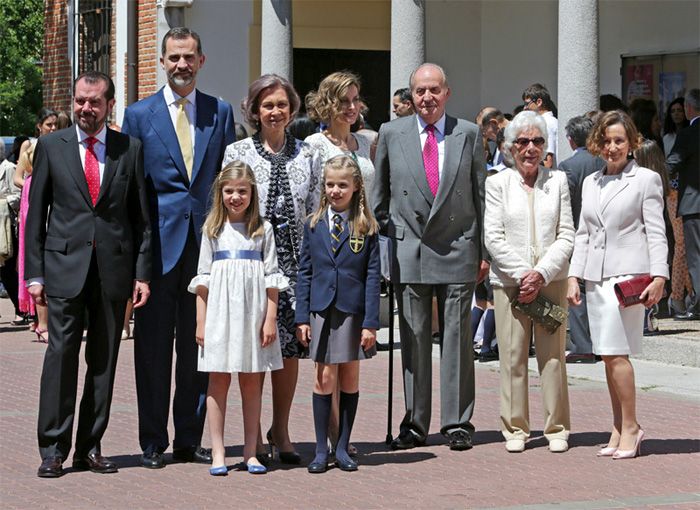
324, 104
218, 215
361, 219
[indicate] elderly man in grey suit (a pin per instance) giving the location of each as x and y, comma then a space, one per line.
428, 198
577, 168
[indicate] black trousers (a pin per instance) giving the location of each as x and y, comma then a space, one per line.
59, 377
170, 312
9, 276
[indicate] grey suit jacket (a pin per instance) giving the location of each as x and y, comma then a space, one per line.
435, 240
577, 168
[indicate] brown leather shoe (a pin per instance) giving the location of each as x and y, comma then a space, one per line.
51, 467
94, 462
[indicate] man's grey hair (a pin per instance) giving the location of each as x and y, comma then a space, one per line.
577, 130
692, 99
521, 122
427, 64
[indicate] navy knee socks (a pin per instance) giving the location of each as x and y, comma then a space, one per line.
322, 413
347, 409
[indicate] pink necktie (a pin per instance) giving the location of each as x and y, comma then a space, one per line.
92, 169
430, 159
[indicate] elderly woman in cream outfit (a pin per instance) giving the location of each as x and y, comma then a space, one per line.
529, 234
621, 234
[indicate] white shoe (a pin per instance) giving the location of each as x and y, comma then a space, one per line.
515, 445
558, 445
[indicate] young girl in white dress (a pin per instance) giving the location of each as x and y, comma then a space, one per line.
237, 286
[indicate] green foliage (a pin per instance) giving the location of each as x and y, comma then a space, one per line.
21, 46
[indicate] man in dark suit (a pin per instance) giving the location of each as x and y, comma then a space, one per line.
88, 248
428, 198
577, 168
684, 161
184, 134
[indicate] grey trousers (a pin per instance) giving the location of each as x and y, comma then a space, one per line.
691, 235
456, 356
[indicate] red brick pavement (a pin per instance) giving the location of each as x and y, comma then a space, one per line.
667, 476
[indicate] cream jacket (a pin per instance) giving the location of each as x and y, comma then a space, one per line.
507, 227
624, 234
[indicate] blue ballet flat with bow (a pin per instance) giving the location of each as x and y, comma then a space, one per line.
218, 471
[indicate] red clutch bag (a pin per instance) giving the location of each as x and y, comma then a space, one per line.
628, 291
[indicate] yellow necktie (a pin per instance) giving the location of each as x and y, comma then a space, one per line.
182, 130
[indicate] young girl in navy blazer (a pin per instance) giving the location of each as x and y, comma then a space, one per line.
337, 310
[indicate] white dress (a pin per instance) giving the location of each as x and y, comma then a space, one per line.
237, 270
327, 149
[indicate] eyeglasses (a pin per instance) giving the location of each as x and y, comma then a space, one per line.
524, 142
528, 102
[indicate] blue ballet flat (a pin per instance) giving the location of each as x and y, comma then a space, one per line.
255, 469
218, 471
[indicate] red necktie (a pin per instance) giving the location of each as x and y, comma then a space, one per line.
92, 169
430, 159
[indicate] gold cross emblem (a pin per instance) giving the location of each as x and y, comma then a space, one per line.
357, 243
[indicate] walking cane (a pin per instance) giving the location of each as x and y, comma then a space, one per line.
389, 437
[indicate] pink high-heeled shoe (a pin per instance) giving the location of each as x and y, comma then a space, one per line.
631, 454
607, 451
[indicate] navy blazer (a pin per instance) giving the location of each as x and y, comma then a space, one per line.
173, 198
347, 280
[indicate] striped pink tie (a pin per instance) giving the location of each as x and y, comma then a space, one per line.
430, 159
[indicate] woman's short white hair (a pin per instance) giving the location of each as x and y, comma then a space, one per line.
521, 122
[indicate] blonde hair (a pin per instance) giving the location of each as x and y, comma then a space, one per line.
361, 220
218, 215
324, 104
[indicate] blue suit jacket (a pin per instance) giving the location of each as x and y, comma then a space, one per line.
173, 199
348, 280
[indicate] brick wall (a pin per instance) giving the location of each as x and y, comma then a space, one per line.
147, 47
57, 66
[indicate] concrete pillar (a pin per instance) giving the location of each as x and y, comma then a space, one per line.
407, 40
578, 75
171, 14
276, 38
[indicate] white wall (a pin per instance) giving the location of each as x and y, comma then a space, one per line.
223, 27
493, 49
640, 26
519, 48
453, 40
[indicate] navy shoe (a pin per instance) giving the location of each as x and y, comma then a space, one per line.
218, 471
319, 464
345, 463
256, 469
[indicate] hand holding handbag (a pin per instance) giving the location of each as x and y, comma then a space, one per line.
628, 292
543, 311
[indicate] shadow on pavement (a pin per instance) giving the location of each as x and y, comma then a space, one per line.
670, 446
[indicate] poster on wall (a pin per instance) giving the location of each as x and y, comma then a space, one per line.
640, 79
671, 86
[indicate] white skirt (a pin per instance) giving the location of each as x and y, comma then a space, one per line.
614, 330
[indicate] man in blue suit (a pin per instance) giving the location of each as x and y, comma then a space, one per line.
184, 134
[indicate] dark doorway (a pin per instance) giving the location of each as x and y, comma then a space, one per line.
312, 65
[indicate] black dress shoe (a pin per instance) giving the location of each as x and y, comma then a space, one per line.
382, 347
406, 440
580, 358
192, 454
485, 357
94, 462
51, 467
460, 440
152, 460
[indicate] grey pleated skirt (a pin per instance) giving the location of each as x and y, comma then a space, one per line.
336, 336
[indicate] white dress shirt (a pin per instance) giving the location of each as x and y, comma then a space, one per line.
439, 136
100, 148
552, 126
171, 99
